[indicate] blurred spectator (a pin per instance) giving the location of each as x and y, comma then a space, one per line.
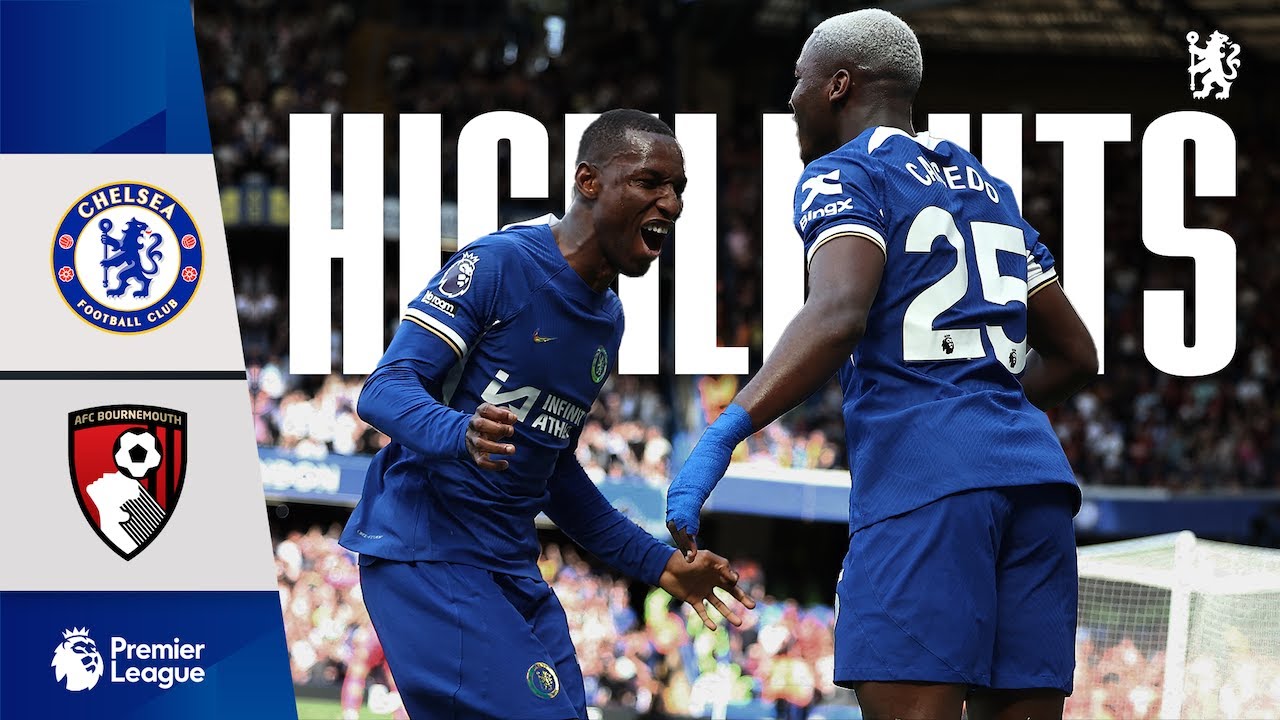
664, 661
781, 658
1121, 680
263, 59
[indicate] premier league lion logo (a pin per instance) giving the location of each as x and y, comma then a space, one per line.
77, 662
458, 280
127, 257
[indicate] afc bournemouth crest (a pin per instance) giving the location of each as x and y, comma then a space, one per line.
127, 467
127, 257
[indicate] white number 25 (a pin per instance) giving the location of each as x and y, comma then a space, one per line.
920, 341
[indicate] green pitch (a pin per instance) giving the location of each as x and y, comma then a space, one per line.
311, 709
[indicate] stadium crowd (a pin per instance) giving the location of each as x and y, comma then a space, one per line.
263, 59
1142, 427
1139, 426
1118, 680
653, 655
657, 656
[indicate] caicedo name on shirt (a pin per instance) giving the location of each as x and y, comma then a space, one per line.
962, 177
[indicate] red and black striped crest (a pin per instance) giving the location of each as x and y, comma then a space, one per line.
128, 463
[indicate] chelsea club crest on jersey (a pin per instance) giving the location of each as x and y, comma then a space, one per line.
127, 257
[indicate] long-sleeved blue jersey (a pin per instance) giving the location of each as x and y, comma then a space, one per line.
507, 321
932, 401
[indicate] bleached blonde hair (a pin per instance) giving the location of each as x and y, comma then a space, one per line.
875, 41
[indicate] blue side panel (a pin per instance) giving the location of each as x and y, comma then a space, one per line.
143, 642
85, 76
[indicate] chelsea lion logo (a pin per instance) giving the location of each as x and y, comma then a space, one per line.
127, 257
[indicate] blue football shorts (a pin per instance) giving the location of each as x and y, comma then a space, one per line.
977, 588
466, 643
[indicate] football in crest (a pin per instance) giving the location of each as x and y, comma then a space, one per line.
136, 453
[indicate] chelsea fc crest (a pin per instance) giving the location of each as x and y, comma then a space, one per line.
127, 257
542, 680
599, 364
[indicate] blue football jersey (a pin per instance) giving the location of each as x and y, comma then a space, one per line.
932, 400
509, 322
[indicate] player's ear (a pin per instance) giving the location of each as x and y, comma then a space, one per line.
587, 180
840, 87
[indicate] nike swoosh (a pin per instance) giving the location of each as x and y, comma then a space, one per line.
540, 339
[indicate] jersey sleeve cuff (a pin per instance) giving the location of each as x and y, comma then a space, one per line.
460, 436
655, 562
843, 229
1040, 281
439, 329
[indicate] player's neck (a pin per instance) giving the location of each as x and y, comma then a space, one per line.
576, 241
854, 124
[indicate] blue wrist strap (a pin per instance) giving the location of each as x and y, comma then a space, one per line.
731, 428
705, 466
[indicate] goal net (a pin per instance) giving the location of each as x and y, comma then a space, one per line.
1173, 626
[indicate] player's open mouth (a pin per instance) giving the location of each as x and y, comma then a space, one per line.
654, 233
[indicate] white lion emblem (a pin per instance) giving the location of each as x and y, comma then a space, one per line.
77, 660
1210, 62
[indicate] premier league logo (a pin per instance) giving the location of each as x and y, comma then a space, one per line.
458, 279
127, 257
128, 463
76, 662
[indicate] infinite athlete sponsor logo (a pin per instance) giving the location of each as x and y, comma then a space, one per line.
79, 665
127, 257
128, 464
555, 415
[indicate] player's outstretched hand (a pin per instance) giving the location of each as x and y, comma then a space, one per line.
704, 467
688, 492
489, 425
685, 540
695, 583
